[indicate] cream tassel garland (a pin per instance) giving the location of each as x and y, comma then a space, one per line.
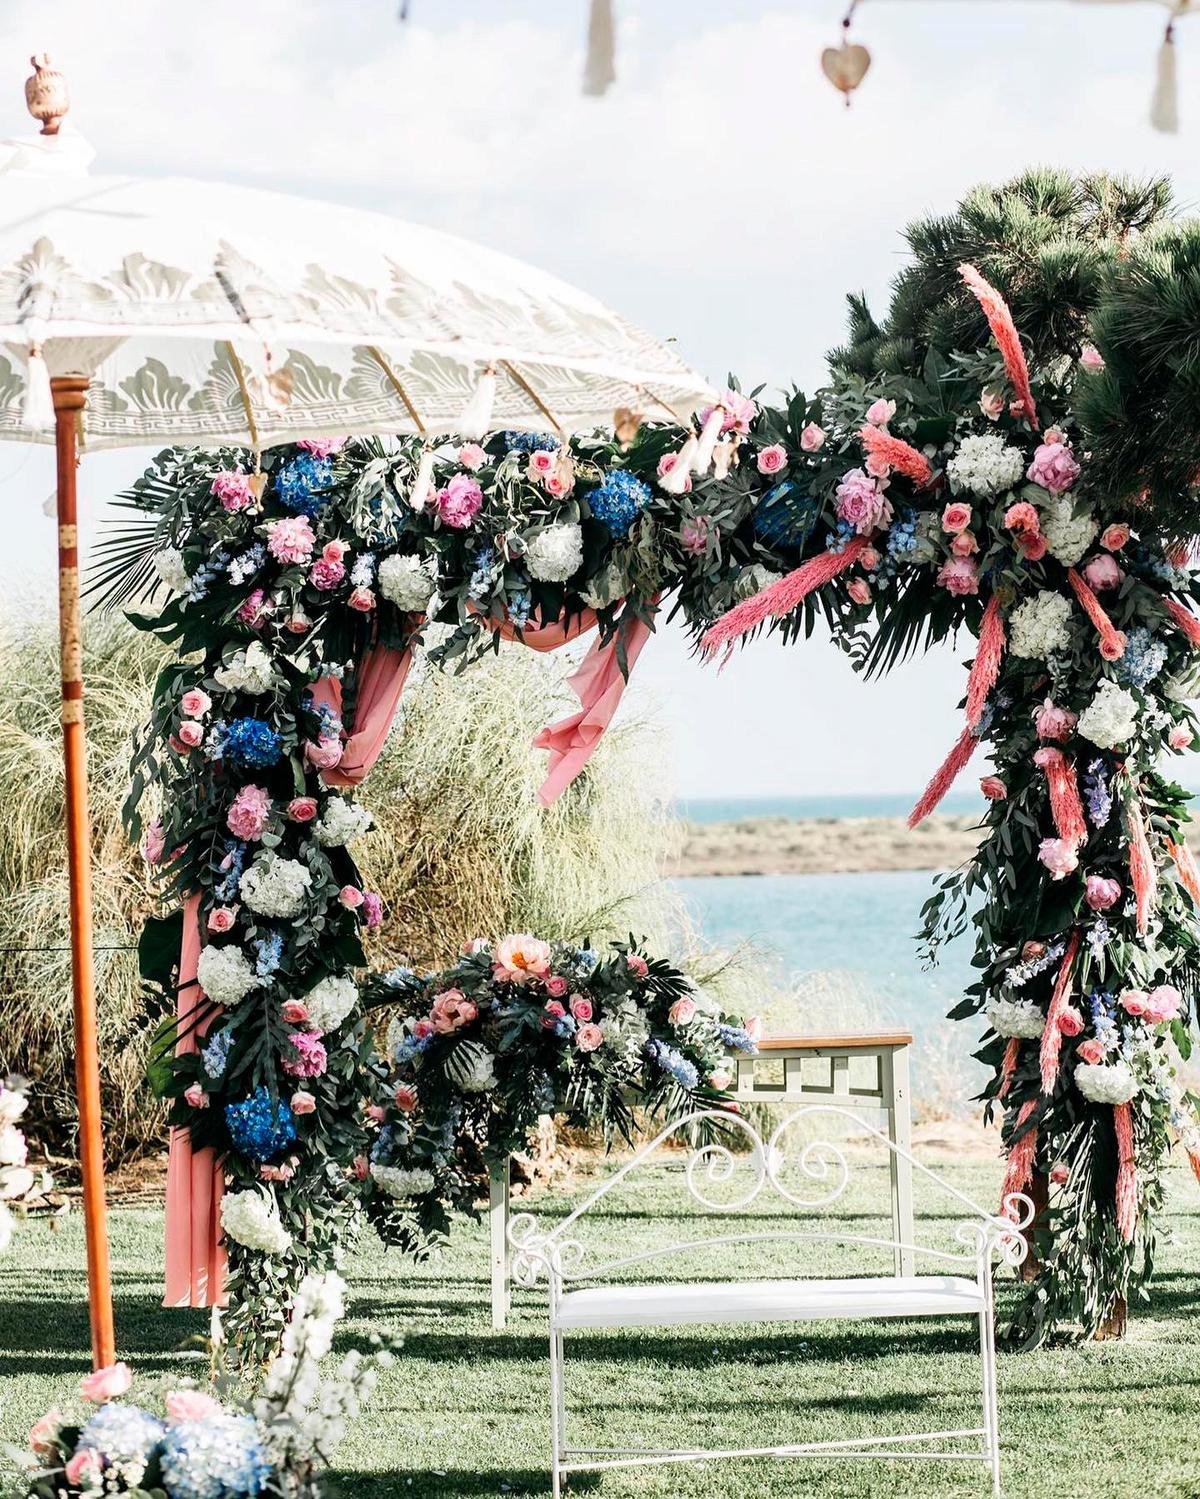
679, 475
599, 68
423, 482
475, 420
709, 435
37, 413
1164, 105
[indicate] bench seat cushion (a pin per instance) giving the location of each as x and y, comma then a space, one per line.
689, 1304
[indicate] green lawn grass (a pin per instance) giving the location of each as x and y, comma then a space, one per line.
463, 1409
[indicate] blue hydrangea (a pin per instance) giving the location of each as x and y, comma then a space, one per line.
782, 521
1144, 656
565, 1026
531, 442
242, 568
1103, 1008
252, 743
234, 862
398, 978
124, 1435
215, 1054
619, 501
270, 954
736, 1038
520, 607
674, 1062
840, 537
411, 1048
219, 1457
258, 1127
1095, 788
299, 483
902, 538
382, 1148
203, 578
481, 578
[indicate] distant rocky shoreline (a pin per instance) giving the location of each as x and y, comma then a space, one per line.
825, 845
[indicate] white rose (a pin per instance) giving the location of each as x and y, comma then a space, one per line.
406, 582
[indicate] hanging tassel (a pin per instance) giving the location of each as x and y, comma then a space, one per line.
703, 456
985, 669
1052, 1036
1112, 640
1008, 340
418, 495
945, 776
1127, 1183
781, 598
679, 476
37, 414
599, 68
1022, 1156
1164, 104
897, 454
1012, 1054
1185, 863
1065, 805
475, 419
1185, 619
1141, 866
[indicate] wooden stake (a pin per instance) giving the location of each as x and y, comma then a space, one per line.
70, 398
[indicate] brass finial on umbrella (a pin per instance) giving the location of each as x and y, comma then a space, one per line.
46, 95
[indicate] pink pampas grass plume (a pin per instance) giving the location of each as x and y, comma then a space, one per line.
1127, 1183
1185, 619
896, 453
1141, 866
1052, 1035
1022, 1156
1065, 804
1012, 1054
1008, 340
985, 669
1112, 640
781, 598
945, 776
1185, 863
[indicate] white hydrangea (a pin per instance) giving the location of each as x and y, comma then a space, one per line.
753, 580
169, 566
985, 465
396, 1181
1068, 536
1106, 1082
249, 671
330, 1001
478, 1075
226, 974
275, 887
1110, 718
1016, 1017
251, 1218
1038, 627
556, 553
340, 823
605, 588
406, 582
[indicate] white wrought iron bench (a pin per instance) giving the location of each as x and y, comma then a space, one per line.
584, 1295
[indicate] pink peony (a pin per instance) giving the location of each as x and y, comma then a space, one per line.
1022, 518
361, 599
666, 465
1134, 1002
1059, 856
588, 1037
959, 576
859, 591
190, 1405
307, 1058
1163, 1003
1070, 1022
964, 544
993, 788
83, 1468
772, 460
325, 575
291, 539
1102, 573
195, 1097
249, 813
322, 447
472, 456
303, 1102
1053, 467
459, 503
880, 412
372, 908
154, 844
637, 965
294, 1011
1179, 738
812, 439
862, 504
1091, 358
1114, 537
956, 517
693, 536
556, 986
324, 754
683, 1011
195, 704
351, 897
190, 733
106, 1384
302, 809
222, 919
991, 403
739, 410
1102, 894
451, 1010
520, 957
234, 490
255, 609
1053, 722
581, 1007
1090, 1052
405, 1098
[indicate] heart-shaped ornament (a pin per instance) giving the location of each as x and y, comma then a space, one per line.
845, 66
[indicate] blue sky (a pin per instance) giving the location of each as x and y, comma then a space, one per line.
720, 195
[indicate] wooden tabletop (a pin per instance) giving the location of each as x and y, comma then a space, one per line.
860, 1040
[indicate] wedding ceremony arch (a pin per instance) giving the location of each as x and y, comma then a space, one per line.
1009, 451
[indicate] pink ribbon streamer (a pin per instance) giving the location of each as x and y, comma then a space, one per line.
381, 682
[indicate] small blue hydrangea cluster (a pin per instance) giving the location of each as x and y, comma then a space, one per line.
299, 484
481, 579
785, 518
1103, 1008
219, 1457
243, 568
564, 1026
124, 1435
619, 501
531, 442
258, 1127
1097, 937
381, 1151
520, 607
735, 1038
215, 1055
233, 863
840, 537
674, 1062
270, 954
902, 538
252, 743
1095, 789
1143, 658
205, 575
410, 1048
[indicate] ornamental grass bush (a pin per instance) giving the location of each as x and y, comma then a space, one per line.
461, 848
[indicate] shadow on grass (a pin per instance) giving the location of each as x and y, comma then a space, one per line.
419, 1482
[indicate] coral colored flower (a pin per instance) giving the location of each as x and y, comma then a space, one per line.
1059, 856
556, 986
1112, 647
812, 438
869, 559
1054, 723
1060, 1173
1114, 537
83, 1471
589, 1037
1054, 466
472, 456
1102, 573
956, 517
302, 1102
333, 551
637, 965
351, 897
451, 1010
221, 919
683, 1011
302, 809
423, 1028
291, 539
325, 576
249, 813
405, 1098
880, 412
195, 1097
1163, 1003
190, 733
106, 1384
1022, 518
1090, 1052
1091, 358
43, 1432
964, 544
294, 1011
299, 623
581, 1007
459, 503
195, 704
959, 576
1033, 546
234, 490
859, 591
190, 1405
361, 599
1134, 1002
1180, 737
772, 460
993, 788
1070, 1022
1102, 894
520, 957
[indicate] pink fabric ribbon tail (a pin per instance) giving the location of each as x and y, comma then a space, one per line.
381, 679
195, 1256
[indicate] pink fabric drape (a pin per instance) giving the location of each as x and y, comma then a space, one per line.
195, 1271
381, 682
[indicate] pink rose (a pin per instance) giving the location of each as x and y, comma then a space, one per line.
682, 1012
325, 576
812, 439
1070, 1022
859, 591
322, 447
520, 957
302, 809
1180, 737
956, 517
581, 1007
303, 1102
291, 539
351, 897
880, 412
324, 754
1163, 1004
552, 1012
557, 485
1102, 573
255, 609
195, 1097
293, 1011
234, 490
333, 551
85, 1465
459, 503
589, 1037
1053, 467
993, 788
542, 462
472, 456
190, 733
666, 465
249, 813
1114, 537
195, 704
1102, 894
1059, 856
1112, 647
869, 558
772, 460
299, 623
361, 599
637, 965
43, 1432
106, 1384
862, 504
877, 466
964, 544
221, 919
376, 1113
720, 1079
1053, 722
190, 1405
450, 1011
991, 403
1135, 1002
1035, 546
1090, 1052
959, 576
556, 986
1091, 358
1060, 1173
405, 1098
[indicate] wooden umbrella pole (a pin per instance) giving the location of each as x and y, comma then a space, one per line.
70, 398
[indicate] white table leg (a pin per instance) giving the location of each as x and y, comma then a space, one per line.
894, 1067
498, 1223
